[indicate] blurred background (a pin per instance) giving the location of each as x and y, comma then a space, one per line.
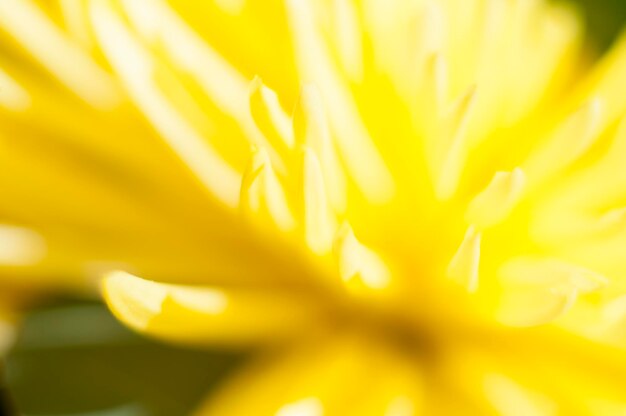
72, 358
605, 19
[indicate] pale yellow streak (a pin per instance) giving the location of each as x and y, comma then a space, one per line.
606, 80
12, 95
497, 200
431, 97
451, 145
261, 190
614, 312
102, 203
523, 307
359, 267
348, 33
251, 187
305, 407
401, 406
190, 54
393, 26
551, 35
430, 37
20, 246
275, 198
137, 69
220, 80
205, 315
464, 266
119, 138
320, 222
77, 20
233, 7
584, 204
270, 117
512, 399
357, 148
58, 53
548, 272
567, 143
311, 129
146, 16
538, 290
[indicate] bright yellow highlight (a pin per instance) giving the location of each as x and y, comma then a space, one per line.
409, 206
207, 315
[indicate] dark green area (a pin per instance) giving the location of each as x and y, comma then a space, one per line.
75, 359
605, 19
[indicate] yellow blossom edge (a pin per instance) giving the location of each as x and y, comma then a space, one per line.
207, 315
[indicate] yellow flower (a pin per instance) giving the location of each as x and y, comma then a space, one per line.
430, 221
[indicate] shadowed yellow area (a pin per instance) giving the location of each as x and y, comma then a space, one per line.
400, 203
7, 331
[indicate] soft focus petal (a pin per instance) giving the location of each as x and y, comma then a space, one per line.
203, 315
349, 375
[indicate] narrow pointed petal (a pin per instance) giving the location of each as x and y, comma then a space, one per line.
568, 143
430, 31
320, 221
206, 316
269, 116
363, 161
263, 196
311, 129
538, 291
464, 266
451, 148
497, 200
58, 53
433, 91
361, 269
348, 35
137, 69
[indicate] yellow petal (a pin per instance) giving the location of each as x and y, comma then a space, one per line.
361, 269
137, 68
497, 200
311, 129
320, 222
329, 378
464, 266
201, 315
20, 246
58, 53
362, 159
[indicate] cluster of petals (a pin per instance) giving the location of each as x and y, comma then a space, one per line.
404, 206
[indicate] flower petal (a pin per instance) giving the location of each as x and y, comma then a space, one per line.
203, 315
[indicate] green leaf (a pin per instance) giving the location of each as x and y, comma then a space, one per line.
604, 19
77, 359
